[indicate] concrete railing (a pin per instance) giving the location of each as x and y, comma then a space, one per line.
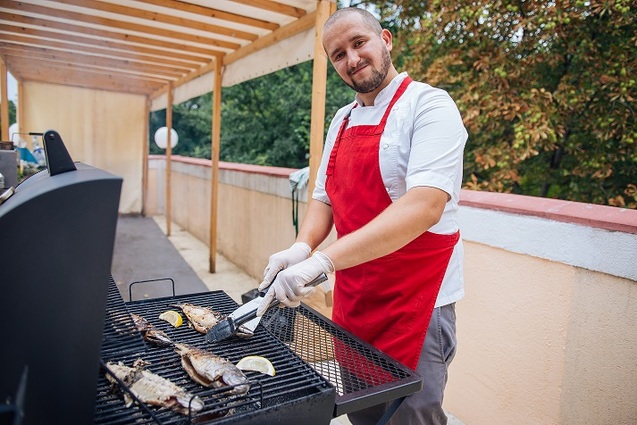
548, 327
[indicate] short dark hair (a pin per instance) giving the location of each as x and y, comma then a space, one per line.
368, 19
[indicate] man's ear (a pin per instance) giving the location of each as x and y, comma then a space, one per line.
385, 34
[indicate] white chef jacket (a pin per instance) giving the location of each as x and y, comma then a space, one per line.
422, 145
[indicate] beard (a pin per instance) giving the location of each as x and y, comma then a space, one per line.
376, 79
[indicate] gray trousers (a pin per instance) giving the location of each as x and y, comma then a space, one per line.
425, 406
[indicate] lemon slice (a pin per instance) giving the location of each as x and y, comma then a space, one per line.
257, 364
172, 317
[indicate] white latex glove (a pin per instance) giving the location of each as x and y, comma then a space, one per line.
289, 285
295, 254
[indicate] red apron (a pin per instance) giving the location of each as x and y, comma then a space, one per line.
387, 302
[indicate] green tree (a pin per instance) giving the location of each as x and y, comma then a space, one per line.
192, 122
547, 90
12, 113
264, 121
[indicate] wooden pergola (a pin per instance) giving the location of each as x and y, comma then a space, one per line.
166, 50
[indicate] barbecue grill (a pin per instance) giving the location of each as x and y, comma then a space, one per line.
56, 243
69, 320
321, 370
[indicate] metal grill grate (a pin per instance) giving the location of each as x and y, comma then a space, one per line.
283, 397
362, 375
120, 334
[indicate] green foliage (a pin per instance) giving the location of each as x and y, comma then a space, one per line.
547, 90
192, 122
12, 114
265, 121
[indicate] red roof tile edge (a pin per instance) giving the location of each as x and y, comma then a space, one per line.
598, 216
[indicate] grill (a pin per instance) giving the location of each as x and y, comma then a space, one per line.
321, 370
69, 322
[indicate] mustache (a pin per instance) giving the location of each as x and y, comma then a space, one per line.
350, 71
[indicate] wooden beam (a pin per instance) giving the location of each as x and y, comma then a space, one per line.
90, 61
123, 25
4, 104
319, 82
213, 13
272, 6
108, 39
214, 156
67, 77
145, 146
201, 71
78, 30
169, 150
20, 116
18, 40
300, 25
160, 17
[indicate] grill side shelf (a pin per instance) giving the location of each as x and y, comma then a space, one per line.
362, 375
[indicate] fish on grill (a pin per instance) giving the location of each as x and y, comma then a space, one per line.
153, 389
204, 318
150, 333
212, 371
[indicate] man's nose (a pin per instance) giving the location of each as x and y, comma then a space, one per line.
353, 59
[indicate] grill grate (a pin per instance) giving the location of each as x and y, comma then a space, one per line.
120, 334
294, 387
362, 375
320, 368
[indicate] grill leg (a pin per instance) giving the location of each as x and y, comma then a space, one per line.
390, 411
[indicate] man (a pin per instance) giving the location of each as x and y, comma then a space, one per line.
389, 180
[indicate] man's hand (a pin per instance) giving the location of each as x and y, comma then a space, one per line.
289, 285
295, 254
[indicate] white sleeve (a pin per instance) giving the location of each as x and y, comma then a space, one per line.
437, 145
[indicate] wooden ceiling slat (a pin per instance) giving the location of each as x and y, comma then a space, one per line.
112, 35
78, 74
273, 6
158, 17
116, 44
302, 24
115, 55
122, 25
87, 72
36, 53
213, 13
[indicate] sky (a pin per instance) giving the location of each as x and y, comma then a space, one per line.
12, 88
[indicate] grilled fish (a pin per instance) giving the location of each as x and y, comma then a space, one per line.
151, 333
152, 389
211, 370
204, 318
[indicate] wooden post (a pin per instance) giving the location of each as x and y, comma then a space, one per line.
324, 9
4, 106
169, 150
145, 148
214, 156
20, 117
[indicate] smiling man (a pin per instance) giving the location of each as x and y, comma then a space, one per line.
389, 181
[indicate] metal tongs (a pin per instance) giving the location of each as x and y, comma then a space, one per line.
246, 315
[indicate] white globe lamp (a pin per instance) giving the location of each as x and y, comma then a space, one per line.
161, 137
